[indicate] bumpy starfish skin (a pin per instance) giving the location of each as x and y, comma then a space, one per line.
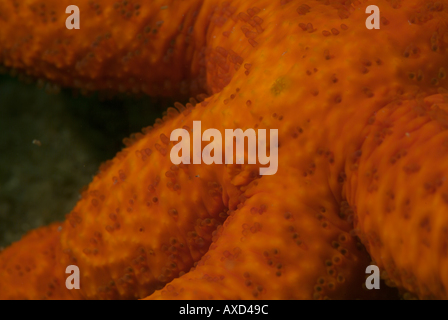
401, 198
361, 130
34, 270
117, 40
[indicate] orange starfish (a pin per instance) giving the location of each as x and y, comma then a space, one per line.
361, 119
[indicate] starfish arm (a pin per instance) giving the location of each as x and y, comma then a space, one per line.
141, 222
400, 194
38, 275
307, 256
154, 47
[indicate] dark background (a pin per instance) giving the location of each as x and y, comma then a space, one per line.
40, 184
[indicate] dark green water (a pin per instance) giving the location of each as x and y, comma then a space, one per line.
40, 182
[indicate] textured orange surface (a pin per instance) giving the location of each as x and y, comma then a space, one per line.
361, 116
35, 272
401, 195
121, 46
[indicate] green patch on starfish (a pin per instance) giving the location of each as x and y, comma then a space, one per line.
280, 85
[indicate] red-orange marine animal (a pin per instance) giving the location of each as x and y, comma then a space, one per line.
362, 147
